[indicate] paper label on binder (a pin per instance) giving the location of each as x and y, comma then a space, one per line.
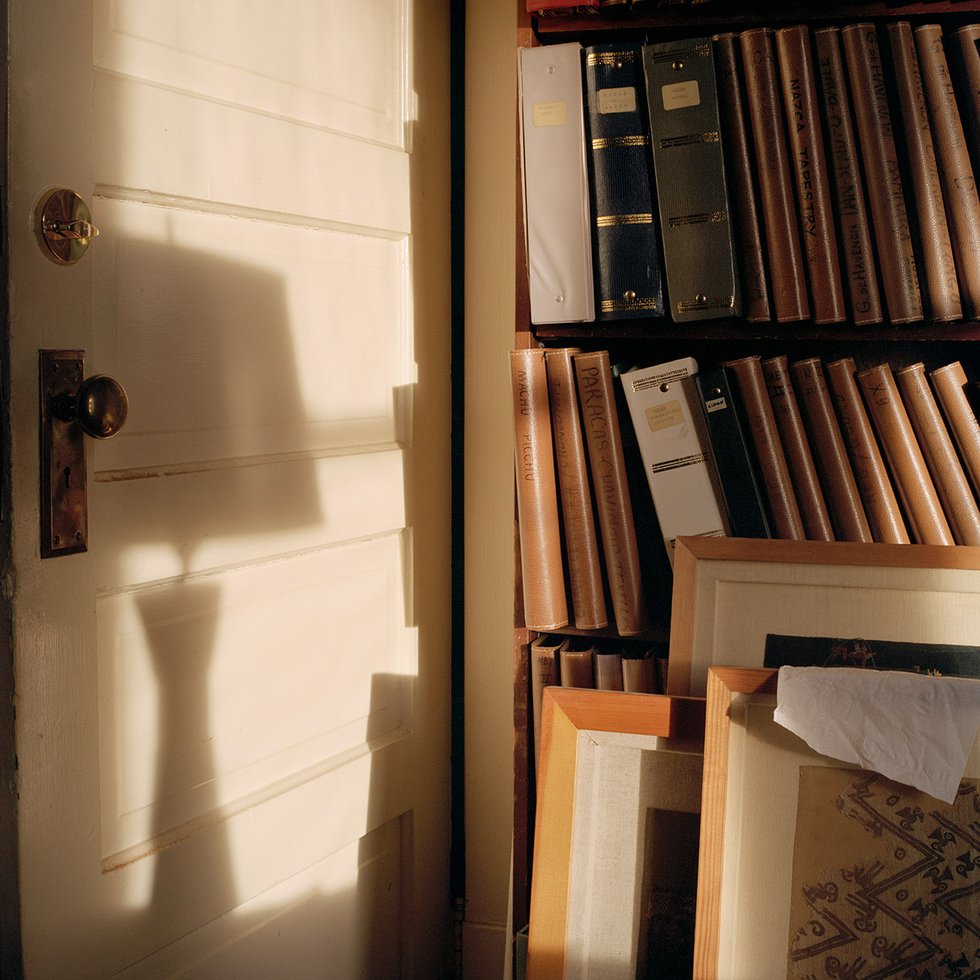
681, 95
664, 416
550, 113
617, 99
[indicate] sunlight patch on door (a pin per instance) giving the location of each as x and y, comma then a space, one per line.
320, 72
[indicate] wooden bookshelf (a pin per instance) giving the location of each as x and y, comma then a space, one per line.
648, 341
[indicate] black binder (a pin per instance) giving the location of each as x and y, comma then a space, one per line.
733, 461
689, 169
626, 254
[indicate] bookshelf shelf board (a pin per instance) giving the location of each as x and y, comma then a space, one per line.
747, 333
701, 18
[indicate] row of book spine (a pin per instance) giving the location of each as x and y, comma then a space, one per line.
568, 448
753, 447
590, 663
783, 175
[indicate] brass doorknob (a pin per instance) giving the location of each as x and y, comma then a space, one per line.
100, 406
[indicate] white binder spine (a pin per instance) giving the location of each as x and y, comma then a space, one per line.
556, 186
676, 450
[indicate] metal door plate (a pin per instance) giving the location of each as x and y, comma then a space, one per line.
63, 226
64, 502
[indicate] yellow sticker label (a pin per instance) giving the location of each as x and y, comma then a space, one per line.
550, 113
664, 416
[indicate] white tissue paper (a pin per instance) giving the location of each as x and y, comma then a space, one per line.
914, 728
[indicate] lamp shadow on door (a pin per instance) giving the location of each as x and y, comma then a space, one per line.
189, 549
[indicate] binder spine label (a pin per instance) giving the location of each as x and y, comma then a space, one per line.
664, 416
617, 100
549, 114
681, 95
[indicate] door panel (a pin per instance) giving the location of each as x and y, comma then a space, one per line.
232, 718
283, 339
179, 145
341, 68
178, 698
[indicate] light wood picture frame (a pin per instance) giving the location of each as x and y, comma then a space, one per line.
604, 757
729, 593
753, 773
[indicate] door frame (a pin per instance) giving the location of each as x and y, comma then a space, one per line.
10, 952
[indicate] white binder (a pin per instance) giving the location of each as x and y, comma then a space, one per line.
676, 450
556, 186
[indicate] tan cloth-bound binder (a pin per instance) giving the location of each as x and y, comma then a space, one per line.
955, 167
843, 496
542, 575
796, 446
905, 460
806, 145
951, 483
581, 539
776, 481
948, 382
879, 157
880, 503
576, 660
860, 265
939, 282
543, 667
600, 422
787, 272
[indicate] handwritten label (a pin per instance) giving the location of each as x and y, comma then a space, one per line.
664, 416
550, 113
681, 95
617, 99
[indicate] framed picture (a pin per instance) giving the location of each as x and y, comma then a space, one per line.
811, 867
616, 835
731, 593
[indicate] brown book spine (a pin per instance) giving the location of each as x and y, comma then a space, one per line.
784, 251
543, 578
955, 167
880, 504
908, 467
939, 452
847, 182
608, 671
783, 507
883, 179
830, 451
948, 383
738, 171
639, 675
607, 465
581, 539
577, 664
942, 291
799, 457
967, 39
544, 673
809, 166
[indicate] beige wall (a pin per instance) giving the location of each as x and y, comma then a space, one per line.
488, 472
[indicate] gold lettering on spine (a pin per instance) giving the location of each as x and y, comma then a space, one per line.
527, 448
603, 466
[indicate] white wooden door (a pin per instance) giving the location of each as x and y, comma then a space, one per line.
232, 711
